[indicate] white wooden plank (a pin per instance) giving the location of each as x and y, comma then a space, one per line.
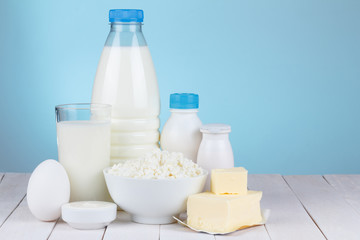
12, 191
176, 231
288, 218
122, 228
254, 233
1, 176
23, 225
334, 216
348, 186
63, 231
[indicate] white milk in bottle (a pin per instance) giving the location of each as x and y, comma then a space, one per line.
126, 79
181, 132
215, 149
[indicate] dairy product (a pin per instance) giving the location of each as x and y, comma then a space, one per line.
229, 181
88, 215
223, 213
126, 79
215, 150
158, 165
181, 132
228, 207
83, 148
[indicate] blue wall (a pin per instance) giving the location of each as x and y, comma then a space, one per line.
284, 74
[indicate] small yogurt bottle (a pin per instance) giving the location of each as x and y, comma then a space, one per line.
181, 132
215, 150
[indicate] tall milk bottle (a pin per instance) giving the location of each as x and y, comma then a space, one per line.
126, 79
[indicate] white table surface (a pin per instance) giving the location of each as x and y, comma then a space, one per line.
303, 207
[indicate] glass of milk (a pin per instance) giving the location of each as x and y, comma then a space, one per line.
83, 138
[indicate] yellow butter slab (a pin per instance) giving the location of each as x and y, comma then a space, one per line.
223, 213
229, 181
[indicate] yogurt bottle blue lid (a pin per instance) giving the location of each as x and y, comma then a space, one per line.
184, 101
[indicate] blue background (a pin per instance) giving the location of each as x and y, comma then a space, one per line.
284, 74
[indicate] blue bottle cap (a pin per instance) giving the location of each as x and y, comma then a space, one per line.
184, 100
126, 15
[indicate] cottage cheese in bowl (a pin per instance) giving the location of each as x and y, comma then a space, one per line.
155, 187
158, 165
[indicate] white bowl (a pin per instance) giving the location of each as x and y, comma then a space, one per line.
153, 201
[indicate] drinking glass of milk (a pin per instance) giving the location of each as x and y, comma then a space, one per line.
83, 138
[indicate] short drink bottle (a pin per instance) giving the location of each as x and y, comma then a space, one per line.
181, 132
215, 150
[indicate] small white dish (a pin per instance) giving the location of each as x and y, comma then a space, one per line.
153, 201
87, 215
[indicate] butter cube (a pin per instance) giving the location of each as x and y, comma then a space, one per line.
223, 213
229, 181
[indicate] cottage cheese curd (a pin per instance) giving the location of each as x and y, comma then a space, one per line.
158, 165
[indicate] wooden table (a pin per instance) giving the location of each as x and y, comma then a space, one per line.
302, 207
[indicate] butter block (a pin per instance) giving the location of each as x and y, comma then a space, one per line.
229, 181
223, 213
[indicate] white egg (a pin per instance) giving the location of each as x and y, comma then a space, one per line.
48, 190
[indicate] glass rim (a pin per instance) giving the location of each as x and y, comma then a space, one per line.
82, 106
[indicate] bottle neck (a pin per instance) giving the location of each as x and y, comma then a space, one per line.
182, 111
216, 136
126, 27
125, 35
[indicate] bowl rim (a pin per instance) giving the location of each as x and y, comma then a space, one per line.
204, 174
